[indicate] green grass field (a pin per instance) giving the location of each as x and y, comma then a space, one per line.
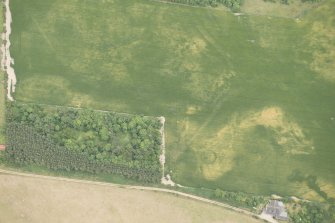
249, 100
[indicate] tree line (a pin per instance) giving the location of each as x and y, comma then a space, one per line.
85, 140
240, 199
232, 4
287, 2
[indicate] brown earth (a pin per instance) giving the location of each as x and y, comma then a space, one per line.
26, 199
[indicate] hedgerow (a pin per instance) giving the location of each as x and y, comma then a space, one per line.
232, 4
240, 199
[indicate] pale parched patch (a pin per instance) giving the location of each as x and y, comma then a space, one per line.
322, 40
307, 193
204, 86
225, 146
320, 22
197, 45
42, 85
138, 10
191, 110
119, 72
84, 60
81, 100
288, 134
217, 153
193, 47
327, 187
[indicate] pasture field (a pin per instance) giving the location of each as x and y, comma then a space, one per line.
25, 199
248, 100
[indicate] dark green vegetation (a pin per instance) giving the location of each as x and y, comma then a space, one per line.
232, 4
311, 182
287, 2
248, 99
239, 199
310, 212
84, 140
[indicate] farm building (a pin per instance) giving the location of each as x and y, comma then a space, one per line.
2, 147
276, 209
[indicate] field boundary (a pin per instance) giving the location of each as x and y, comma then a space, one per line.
85, 108
162, 155
7, 61
221, 8
240, 13
155, 189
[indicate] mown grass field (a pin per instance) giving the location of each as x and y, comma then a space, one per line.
249, 100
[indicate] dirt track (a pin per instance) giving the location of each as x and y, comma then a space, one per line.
7, 60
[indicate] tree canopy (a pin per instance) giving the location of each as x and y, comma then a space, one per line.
82, 139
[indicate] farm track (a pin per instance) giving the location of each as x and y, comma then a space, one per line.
185, 195
7, 61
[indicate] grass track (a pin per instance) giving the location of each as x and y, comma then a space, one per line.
244, 107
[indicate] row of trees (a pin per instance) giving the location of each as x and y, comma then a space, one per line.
86, 140
287, 2
241, 199
312, 212
232, 4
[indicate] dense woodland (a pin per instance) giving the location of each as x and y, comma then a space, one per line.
232, 4
86, 140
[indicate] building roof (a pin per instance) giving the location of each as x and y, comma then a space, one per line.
2, 147
276, 209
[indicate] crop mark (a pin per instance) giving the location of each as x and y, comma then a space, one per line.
217, 152
43, 33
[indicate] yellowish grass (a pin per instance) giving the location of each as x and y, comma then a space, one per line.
203, 86
216, 152
260, 7
322, 38
191, 110
327, 187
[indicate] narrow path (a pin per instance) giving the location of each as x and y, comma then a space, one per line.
162, 156
2, 171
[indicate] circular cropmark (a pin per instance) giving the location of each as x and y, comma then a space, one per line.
208, 157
